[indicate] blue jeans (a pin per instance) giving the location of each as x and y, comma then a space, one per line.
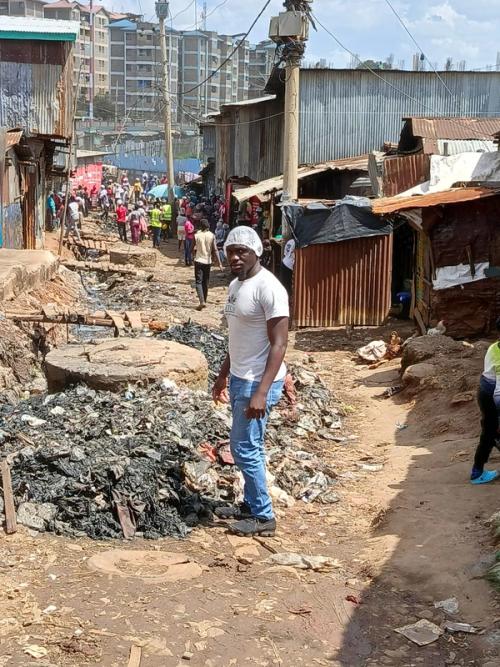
188, 250
247, 443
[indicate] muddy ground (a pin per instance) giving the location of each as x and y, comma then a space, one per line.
403, 535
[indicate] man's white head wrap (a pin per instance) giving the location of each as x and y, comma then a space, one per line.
245, 236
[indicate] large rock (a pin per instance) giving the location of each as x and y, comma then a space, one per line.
134, 255
426, 347
112, 364
414, 375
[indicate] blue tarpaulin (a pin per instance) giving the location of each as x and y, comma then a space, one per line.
153, 165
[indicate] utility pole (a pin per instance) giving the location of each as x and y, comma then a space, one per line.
92, 61
290, 31
162, 13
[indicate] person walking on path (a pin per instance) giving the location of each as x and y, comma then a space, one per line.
181, 221
72, 219
257, 315
205, 251
121, 220
489, 403
155, 224
134, 220
188, 242
166, 220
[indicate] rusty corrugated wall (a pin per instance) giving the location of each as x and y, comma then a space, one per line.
343, 283
36, 87
402, 173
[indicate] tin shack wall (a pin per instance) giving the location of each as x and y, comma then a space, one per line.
36, 87
404, 172
11, 214
249, 142
459, 234
351, 112
343, 283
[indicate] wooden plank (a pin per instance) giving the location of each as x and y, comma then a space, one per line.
117, 320
8, 500
135, 319
134, 659
50, 310
420, 321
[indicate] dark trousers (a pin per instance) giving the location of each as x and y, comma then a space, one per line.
156, 236
286, 278
188, 250
122, 231
202, 278
489, 428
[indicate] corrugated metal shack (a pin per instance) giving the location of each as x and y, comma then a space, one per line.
343, 265
456, 256
36, 98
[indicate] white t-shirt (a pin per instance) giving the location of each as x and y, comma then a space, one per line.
250, 304
204, 243
74, 210
289, 254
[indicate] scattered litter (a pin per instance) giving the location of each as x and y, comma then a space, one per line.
33, 421
304, 562
301, 611
453, 626
208, 628
50, 609
422, 633
391, 391
401, 427
374, 351
371, 467
35, 651
450, 605
353, 599
57, 411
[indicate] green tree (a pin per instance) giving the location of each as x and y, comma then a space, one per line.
104, 108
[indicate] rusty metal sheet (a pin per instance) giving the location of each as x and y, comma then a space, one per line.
454, 128
37, 95
343, 283
452, 196
404, 172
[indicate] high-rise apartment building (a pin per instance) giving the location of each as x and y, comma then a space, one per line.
262, 56
135, 67
209, 73
83, 64
22, 8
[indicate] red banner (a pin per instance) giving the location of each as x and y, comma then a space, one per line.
87, 176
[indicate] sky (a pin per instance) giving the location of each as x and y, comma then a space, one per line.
460, 29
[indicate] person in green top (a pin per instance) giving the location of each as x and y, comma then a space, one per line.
155, 223
166, 220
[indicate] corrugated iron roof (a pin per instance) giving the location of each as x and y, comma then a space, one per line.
454, 196
27, 27
12, 138
359, 162
454, 128
247, 103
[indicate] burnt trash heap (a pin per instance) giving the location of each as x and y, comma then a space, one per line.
154, 461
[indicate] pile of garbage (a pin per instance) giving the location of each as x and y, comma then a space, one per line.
154, 461
212, 343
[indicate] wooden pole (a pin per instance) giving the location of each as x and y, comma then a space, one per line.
8, 500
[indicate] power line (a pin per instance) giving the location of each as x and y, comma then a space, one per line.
228, 58
391, 6
183, 10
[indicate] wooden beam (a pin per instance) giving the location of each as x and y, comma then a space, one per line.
135, 656
8, 499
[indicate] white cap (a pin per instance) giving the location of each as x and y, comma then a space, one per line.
245, 236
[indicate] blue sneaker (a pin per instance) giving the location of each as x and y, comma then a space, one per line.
485, 477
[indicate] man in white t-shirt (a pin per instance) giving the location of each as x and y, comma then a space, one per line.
257, 316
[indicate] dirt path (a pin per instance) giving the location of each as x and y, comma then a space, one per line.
402, 536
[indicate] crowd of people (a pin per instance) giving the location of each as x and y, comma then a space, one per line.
199, 223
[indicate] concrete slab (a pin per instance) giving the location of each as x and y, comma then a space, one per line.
113, 363
24, 270
134, 255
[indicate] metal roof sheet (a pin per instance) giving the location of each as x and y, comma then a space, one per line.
81, 153
27, 27
359, 162
454, 128
247, 103
453, 196
12, 138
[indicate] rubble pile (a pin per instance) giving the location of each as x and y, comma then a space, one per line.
155, 461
